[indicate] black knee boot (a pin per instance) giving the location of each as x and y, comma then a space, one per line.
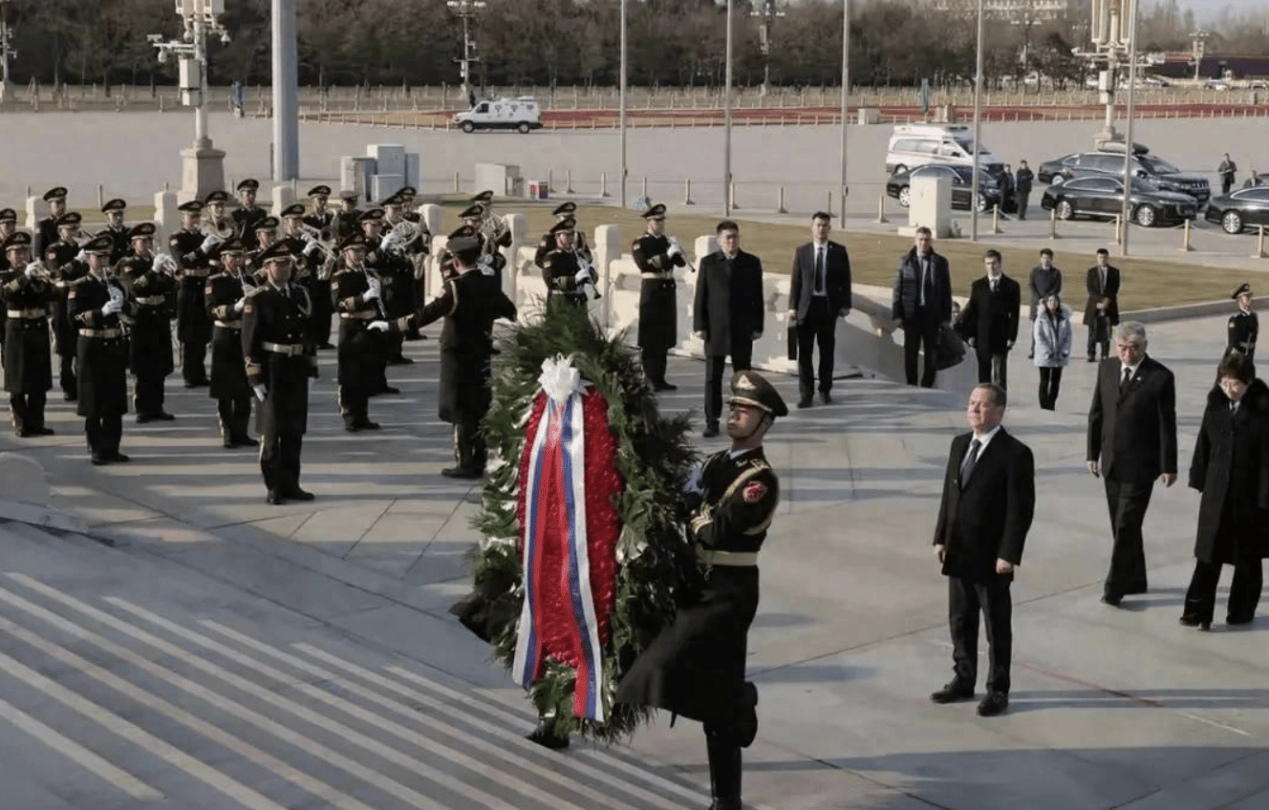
724, 772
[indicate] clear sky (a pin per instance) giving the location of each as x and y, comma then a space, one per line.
1207, 9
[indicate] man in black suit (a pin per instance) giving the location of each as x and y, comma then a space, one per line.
922, 302
727, 314
988, 503
818, 296
1101, 313
1131, 442
990, 320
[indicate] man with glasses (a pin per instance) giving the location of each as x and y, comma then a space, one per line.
1131, 443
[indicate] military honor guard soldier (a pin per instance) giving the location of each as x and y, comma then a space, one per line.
65, 270
226, 296
190, 249
656, 256
362, 349
28, 364
46, 229
696, 666
116, 230
1244, 328
348, 218
8, 227
150, 309
565, 272
279, 359
95, 303
323, 219
247, 214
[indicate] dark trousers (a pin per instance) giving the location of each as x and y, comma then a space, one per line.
233, 414
147, 399
818, 327
965, 600
1050, 382
396, 346
1244, 593
1021, 197
1227, 182
1098, 335
469, 445
920, 334
69, 385
104, 434
193, 369
28, 409
1127, 501
993, 368
280, 461
654, 364
741, 358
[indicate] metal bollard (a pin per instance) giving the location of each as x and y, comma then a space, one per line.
568, 181
1260, 244
645, 186
881, 209
1053, 234
829, 210
101, 195
1119, 229
1185, 240
995, 219
603, 183
456, 183
687, 192
550, 180
780, 202
732, 193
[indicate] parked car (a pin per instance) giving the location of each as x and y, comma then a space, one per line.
1107, 163
521, 114
1239, 210
1104, 197
899, 186
913, 145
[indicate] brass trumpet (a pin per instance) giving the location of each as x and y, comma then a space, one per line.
324, 238
222, 228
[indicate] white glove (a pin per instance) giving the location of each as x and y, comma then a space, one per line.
372, 290
312, 247
32, 269
675, 248
210, 242
485, 264
582, 277
378, 326
693, 483
240, 305
111, 307
81, 256
260, 392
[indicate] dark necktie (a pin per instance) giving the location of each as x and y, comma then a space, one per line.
967, 466
927, 288
819, 269
1123, 383
993, 286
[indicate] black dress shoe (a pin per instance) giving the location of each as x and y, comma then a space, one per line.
826, 398
142, 418
710, 431
546, 738
401, 361
462, 472
1112, 599
326, 346
42, 431
230, 444
1237, 620
953, 693
390, 390
22, 433
995, 703
246, 441
806, 402
368, 425
1092, 359
274, 497
298, 494
664, 386
117, 456
164, 416
99, 460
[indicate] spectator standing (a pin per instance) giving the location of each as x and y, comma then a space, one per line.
990, 320
818, 296
1101, 313
1022, 187
921, 302
1252, 181
1045, 280
1053, 343
1226, 170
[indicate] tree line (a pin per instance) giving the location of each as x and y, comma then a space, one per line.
675, 43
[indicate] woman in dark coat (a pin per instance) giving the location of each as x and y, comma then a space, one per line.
1231, 469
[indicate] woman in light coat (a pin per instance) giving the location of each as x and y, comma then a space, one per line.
1053, 340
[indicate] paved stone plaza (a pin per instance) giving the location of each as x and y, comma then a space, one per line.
314, 638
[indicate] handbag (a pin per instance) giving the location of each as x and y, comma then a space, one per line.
793, 339
949, 350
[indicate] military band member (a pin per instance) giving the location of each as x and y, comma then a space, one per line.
116, 230
321, 217
149, 310
656, 256
447, 258
266, 234
386, 267
226, 294
46, 229
95, 303
1244, 328
470, 303
190, 249
28, 365
546, 244
279, 360
696, 667
8, 227
566, 273
347, 219
320, 263
60, 258
214, 208
363, 328
491, 259
247, 214
398, 269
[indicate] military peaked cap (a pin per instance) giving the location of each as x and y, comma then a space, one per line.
1243, 289
749, 388
18, 239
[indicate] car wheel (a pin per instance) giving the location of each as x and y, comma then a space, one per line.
468, 127
1064, 210
905, 196
982, 204
523, 127
1232, 222
1145, 215
900, 169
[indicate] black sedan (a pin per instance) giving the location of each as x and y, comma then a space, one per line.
1104, 197
899, 186
1239, 210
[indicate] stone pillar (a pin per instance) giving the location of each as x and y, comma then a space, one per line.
34, 212
607, 249
283, 196
166, 218
930, 206
519, 236
286, 127
202, 171
432, 216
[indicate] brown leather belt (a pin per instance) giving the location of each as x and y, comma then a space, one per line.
33, 313
101, 333
364, 315
229, 324
288, 349
743, 559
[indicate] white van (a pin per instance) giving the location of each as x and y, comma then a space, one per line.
913, 145
522, 114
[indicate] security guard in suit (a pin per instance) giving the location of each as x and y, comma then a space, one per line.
46, 229
60, 258
226, 294
190, 248
1244, 328
150, 308
116, 230
656, 256
696, 667
28, 365
247, 214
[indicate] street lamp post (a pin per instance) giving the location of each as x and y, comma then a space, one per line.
1126, 208
978, 125
466, 10
845, 97
727, 120
621, 114
286, 108
5, 53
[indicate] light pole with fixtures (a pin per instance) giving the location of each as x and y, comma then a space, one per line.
767, 12
6, 53
466, 10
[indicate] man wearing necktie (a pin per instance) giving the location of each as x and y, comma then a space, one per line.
990, 320
1101, 313
1131, 442
819, 294
922, 302
987, 506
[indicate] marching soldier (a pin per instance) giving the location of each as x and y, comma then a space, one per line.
116, 230
279, 361
150, 309
65, 269
1244, 328
696, 666
470, 303
656, 257
28, 365
226, 294
566, 273
363, 327
46, 229
247, 214
190, 249
95, 303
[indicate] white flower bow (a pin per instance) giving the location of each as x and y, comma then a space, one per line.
559, 379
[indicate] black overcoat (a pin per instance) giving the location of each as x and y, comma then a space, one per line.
103, 360
658, 294
1096, 292
228, 368
728, 308
151, 295
991, 318
28, 363
279, 316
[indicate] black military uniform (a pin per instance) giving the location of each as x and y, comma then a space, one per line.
406, 294
280, 358
362, 351
95, 303
46, 229
546, 244
28, 364
561, 268
346, 221
658, 299
248, 215
470, 303
253, 264
10, 217
696, 667
226, 294
193, 328
323, 268
150, 308
119, 235
65, 270
1244, 328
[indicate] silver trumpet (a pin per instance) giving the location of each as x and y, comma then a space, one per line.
222, 228
325, 240
402, 236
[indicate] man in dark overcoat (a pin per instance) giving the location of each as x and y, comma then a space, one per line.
727, 314
696, 667
819, 294
28, 364
656, 256
985, 514
226, 295
1101, 313
94, 305
921, 304
990, 320
150, 309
